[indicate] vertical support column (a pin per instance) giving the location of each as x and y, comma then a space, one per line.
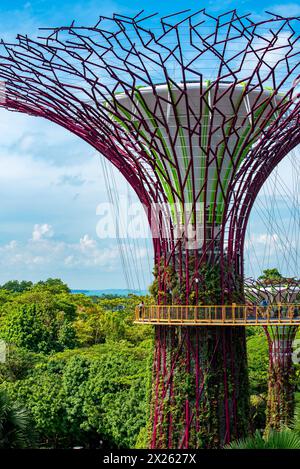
281, 376
200, 387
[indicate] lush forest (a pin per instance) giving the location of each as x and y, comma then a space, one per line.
77, 370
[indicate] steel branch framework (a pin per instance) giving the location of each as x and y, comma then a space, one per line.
95, 81
195, 111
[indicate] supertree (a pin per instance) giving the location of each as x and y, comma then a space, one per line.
281, 373
195, 111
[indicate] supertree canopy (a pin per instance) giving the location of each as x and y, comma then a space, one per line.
195, 111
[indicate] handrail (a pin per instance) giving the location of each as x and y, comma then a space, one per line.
234, 314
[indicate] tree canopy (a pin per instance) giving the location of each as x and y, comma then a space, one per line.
81, 369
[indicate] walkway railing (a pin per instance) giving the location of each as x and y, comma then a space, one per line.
222, 315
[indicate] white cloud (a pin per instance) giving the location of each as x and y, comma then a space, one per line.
72, 180
38, 260
267, 239
87, 243
26, 142
11, 245
42, 231
69, 260
44, 251
261, 242
285, 9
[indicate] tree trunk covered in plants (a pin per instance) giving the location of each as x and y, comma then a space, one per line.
281, 377
200, 387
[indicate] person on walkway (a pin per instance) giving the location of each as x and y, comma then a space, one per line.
141, 307
263, 308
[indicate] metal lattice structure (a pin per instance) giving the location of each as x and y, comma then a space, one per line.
195, 111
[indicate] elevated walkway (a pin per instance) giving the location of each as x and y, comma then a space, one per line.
219, 315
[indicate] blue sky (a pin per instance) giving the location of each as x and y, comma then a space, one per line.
51, 182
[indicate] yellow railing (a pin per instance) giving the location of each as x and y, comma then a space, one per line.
226, 315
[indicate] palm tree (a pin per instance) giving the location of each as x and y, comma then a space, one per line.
15, 425
285, 439
296, 423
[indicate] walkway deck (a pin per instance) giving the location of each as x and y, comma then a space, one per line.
219, 315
